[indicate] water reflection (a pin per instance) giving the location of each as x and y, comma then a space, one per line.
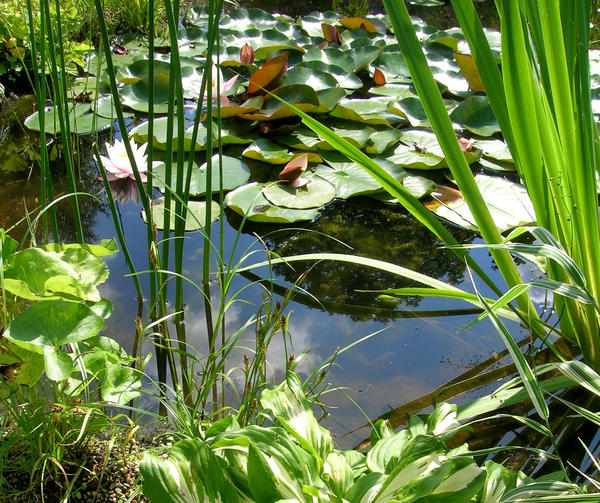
363, 227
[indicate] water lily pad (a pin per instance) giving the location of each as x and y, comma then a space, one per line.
244, 19
494, 149
311, 24
329, 56
507, 201
81, 120
316, 79
301, 96
262, 41
105, 107
343, 78
195, 215
160, 140
314, 195
412, 110
249, 201
136, 96
363, 55
379, 141
349, 181
369, 111
396, 90
393, 67
235, 173
476, 115
328, 99
267, 151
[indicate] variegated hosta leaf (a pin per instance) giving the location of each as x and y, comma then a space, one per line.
464, 481
191, 474
442, 419
498, 480
337, 474
292, 410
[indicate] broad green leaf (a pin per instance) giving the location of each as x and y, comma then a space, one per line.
105, 107
314, 195
160, 140
267, 151
235, 173
195, 214
261, 479
72, 274
191, 474
463, 482
476, 115
249, 201
507, 202
329, 56
349, 181
121, 383
342, 77
317, 79
45, 327
81, 120
338, 474
412, 110
292, 410
380, 141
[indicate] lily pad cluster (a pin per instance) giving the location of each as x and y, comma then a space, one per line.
348, 73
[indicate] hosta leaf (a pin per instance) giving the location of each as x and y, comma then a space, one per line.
248, 200
191, 474
314, 195
292, 410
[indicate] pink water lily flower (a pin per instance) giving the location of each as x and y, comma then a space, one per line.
117, 163
217, 76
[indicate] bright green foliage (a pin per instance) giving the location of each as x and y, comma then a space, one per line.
63, 319
297, 461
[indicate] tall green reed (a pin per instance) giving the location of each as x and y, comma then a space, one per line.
542, 101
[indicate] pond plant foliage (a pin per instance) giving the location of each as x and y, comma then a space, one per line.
273, 118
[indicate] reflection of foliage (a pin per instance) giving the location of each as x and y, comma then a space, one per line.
373, 230
351, 7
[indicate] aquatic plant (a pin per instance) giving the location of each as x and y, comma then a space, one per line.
117, 163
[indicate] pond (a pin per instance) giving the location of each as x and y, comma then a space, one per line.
408, 348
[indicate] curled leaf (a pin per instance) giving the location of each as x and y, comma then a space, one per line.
267, 77
379, 77
331, 34
293, 170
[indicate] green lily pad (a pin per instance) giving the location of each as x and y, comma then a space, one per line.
350, 181
160, 140
328, 99
195, 215
329, 56
415, 158
358, 110
343, 78
496, 150
364, 55
396, 90
379, 141
235, 173
507, 201
476, 115
105, 107
314, 195
262, 41
393, 67
316, 79
249, 201
245, 19
311, 24
81, 120
267, 151
412, 110
136, 97
301, 96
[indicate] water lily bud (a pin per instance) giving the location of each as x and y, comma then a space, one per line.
247, 54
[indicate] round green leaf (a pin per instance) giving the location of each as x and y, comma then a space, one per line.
350, 181
312, 77
314, 195
343, 78
267, 151
81, 121
476, 115
248, 200
195, 215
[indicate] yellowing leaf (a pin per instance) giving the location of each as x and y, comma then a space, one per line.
353, 23
469, 71
268, 75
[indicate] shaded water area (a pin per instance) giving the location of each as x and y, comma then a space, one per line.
415, 348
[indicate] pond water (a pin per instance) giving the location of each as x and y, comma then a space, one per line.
416, 349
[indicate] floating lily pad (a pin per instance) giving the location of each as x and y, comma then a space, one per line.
494, 149
350, 181
507, 201
195, 217
105, 107
267, 151
476, 115
301, 96
235, 173
412, 110
262, 41
160, 140
81, 120
329, 56
369, 111
314, 195
380, 141
249, 201
316, 79
343, 78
